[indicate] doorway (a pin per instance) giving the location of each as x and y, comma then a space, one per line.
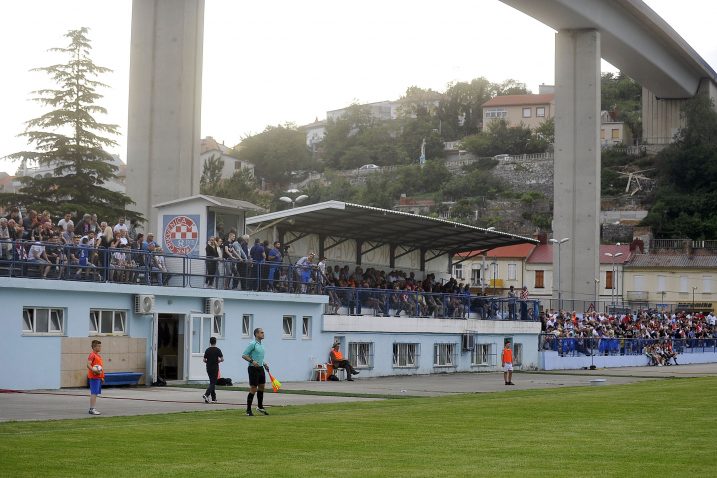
170, 346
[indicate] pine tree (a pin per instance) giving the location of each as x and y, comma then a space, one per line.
71, 141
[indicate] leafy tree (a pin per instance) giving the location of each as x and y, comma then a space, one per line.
687, 174
461, 112
211, 175
276, 152
621, 96
510, 87
70, 139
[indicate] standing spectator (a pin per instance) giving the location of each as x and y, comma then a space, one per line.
274, 258
507, 363
159, 266
211, 262
230, 260
258, 256
303, 266
254, 354
150, 244
120, 226
242, 249
62, 223
5, 244
511, 303
524, 303
84, 226
212, 357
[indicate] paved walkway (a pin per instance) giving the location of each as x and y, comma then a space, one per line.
73, 403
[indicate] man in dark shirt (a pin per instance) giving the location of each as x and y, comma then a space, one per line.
212, 357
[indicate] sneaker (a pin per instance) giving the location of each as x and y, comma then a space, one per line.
262, 411
249, 413
206, 399
511, 383
349, 379
355, 372
215, 401
93, 411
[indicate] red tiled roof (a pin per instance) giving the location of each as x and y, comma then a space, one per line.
517, 100
543, 254
517, 250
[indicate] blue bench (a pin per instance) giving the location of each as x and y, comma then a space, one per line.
122, 378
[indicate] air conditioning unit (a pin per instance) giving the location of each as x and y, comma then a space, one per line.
143, 304
468, 342
214, 306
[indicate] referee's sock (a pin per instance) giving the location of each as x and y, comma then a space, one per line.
249, 399
260, 398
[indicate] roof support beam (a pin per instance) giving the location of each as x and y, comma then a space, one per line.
341, 241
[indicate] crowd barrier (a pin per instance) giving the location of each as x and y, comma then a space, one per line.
395, 302
134, 266
576, 346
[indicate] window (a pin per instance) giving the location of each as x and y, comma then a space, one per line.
475, 277
511, 272
405, 355
444, 355
483, 354
539, 279
306, 327
638, 282
615, 133
661, 283
706, 284
218, 326
602, 134
37, 320
608, 280
527, 112
458, 271
517, 354
540, 111
684, 284
361, 354
495, 113
288, 327
112, 322
237, 165
246, 321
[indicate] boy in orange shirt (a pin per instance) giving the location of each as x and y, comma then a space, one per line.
96, 378
507, 363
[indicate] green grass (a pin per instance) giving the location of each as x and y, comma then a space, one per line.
655, 428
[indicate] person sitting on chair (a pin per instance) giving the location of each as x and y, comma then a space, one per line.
338, 361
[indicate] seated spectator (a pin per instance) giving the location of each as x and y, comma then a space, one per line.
338, 360
37, 255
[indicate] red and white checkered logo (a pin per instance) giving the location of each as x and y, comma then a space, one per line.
181, 235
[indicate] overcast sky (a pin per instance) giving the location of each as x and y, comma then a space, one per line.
268, 63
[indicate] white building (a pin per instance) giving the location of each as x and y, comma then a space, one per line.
210, 148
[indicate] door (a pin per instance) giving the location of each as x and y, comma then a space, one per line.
199, 331
155, 345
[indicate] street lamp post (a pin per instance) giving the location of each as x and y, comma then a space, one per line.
560, 292
613, 292
694, 288
288, 199
597, 290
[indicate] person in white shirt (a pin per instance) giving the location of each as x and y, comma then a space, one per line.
37, 255
120, 226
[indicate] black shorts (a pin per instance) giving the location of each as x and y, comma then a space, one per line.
256, 376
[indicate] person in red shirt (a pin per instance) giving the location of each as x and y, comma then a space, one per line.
337, 358
507, 363
96, 378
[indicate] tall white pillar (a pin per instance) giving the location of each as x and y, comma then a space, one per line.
576, 206
163, 133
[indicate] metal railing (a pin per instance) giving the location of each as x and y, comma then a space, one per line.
397, 302
605, 346
133, 266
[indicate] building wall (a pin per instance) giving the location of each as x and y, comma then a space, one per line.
514, 115
661, 118
676, 284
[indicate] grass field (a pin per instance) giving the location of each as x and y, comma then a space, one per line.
655, 428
